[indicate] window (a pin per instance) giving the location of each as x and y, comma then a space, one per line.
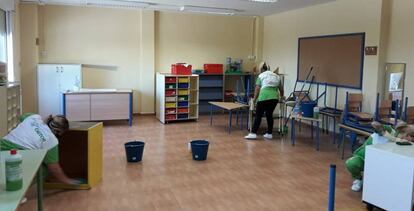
6, 44
3, 47
3, 37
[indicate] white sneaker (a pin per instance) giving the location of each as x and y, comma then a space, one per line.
24, 200
251, 136
268, 136
357, 185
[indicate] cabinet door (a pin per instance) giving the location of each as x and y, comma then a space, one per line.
70, 77
109, 106
78, 107
48, 90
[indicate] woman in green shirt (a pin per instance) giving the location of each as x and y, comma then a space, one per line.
267, 94
35, 133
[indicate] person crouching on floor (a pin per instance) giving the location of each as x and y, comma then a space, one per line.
35, 133
383, 134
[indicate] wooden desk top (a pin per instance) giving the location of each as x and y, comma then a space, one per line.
82, 125
356, 130
228, 105
306, 118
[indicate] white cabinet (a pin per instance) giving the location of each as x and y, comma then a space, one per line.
389, 176
98, 105
9, 107
52, 81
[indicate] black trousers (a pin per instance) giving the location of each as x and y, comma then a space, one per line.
262, 107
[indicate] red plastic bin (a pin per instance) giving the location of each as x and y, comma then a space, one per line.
170, 92
170, 80
183, 110
213, 68
181, 69
170, 117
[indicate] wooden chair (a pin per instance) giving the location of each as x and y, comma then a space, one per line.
410, 115
384, 112
355, 107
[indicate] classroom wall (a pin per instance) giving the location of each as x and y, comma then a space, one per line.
94, 36
401, 45
28, 55
198, 39
138, 42
281, 33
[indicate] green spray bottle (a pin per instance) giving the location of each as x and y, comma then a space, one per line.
14, 171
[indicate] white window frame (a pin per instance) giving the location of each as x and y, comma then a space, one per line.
9, 47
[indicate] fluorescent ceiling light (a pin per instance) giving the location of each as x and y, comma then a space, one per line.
264, 1
118, 4
209, 10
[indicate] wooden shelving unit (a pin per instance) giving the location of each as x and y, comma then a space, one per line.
177, 97
10, 109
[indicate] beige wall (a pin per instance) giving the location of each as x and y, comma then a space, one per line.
401, 44
28, 55
138, 42
198, 39
94, 36
281, 33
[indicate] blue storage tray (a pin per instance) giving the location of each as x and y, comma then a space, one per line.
183, 85
182, 116
182, 104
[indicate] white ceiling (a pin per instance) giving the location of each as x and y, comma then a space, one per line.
230, 7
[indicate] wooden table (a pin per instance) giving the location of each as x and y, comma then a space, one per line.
388, 176
32, 161
343, 128
230, 107
293, 132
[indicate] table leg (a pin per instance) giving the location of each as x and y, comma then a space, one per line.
312, 129
327, 131
241, 119
317, 135
39, 189
292, 133
300, 125
211, 114
343, 144
334, 131
230, 118
237, 117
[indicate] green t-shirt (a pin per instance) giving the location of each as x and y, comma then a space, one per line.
267, 93
52, 155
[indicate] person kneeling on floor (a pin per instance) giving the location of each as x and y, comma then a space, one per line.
34, 133
383, 134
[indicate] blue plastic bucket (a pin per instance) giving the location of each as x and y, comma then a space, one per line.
199, 149
134, 151
307, 108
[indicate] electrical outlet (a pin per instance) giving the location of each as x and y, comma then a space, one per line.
251, 57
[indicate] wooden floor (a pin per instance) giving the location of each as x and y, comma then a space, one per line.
238, 174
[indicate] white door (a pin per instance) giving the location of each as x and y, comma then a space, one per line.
48, 89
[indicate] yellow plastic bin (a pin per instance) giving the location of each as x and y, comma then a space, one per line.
183, 92
170, 105
183, 80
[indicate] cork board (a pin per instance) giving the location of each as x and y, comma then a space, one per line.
337, 59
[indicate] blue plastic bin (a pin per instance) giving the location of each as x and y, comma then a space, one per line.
199, 149
307, 108
134, 151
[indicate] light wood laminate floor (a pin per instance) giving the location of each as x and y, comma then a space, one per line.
238, 174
